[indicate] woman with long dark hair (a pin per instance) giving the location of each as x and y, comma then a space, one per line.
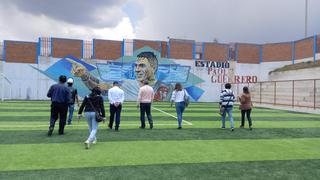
92, 104
245, 106
178, 96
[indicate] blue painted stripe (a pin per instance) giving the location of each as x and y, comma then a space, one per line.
38, 50
160, 48
4, 51
314, 47
82, 54
293, 51
93, 54
260, 58
203, 44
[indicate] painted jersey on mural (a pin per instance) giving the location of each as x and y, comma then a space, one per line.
145, 64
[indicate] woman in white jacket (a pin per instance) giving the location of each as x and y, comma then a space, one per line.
179, 96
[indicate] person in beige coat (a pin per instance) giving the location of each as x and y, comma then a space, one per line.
245, 106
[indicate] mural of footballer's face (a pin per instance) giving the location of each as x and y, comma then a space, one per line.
144, 70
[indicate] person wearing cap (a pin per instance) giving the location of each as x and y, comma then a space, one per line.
145, 98
60, 96
116, 98
74, 97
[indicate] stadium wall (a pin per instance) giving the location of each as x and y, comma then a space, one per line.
28, 72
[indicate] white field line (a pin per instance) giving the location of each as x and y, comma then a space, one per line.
188, 123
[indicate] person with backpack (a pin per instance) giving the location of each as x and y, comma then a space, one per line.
180, 97
245, 106
226, 105
92, 104
74, 98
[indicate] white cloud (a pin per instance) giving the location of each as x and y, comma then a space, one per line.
28, 27
227, 20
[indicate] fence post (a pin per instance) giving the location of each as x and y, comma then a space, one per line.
260, 91
314, 48
293, 51
292, 93
275, 93
314, 94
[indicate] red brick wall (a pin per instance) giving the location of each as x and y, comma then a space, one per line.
277, 52
304, 48
215, 52
248, 53
181, 49
164, 49
141, 43
107, 49
20, 52
65, 47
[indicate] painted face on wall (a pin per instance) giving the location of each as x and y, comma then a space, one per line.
143, 70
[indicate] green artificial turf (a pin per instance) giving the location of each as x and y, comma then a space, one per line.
282, 145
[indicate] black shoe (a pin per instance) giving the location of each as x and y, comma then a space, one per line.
241, 126
250, 128
179, 128
61, 133
151, 126
141, 127
117, 130
50, 131
232, 129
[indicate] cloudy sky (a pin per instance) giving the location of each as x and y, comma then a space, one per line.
251, 21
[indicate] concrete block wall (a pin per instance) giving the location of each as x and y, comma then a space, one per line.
107, 49
20, 52
299, 93
64, 47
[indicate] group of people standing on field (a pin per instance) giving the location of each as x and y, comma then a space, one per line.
64, 98
227, 99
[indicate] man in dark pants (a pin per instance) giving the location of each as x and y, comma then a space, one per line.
74, 98
116, 98
60, 97
145, 98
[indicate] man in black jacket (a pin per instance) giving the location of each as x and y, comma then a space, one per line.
60, 97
